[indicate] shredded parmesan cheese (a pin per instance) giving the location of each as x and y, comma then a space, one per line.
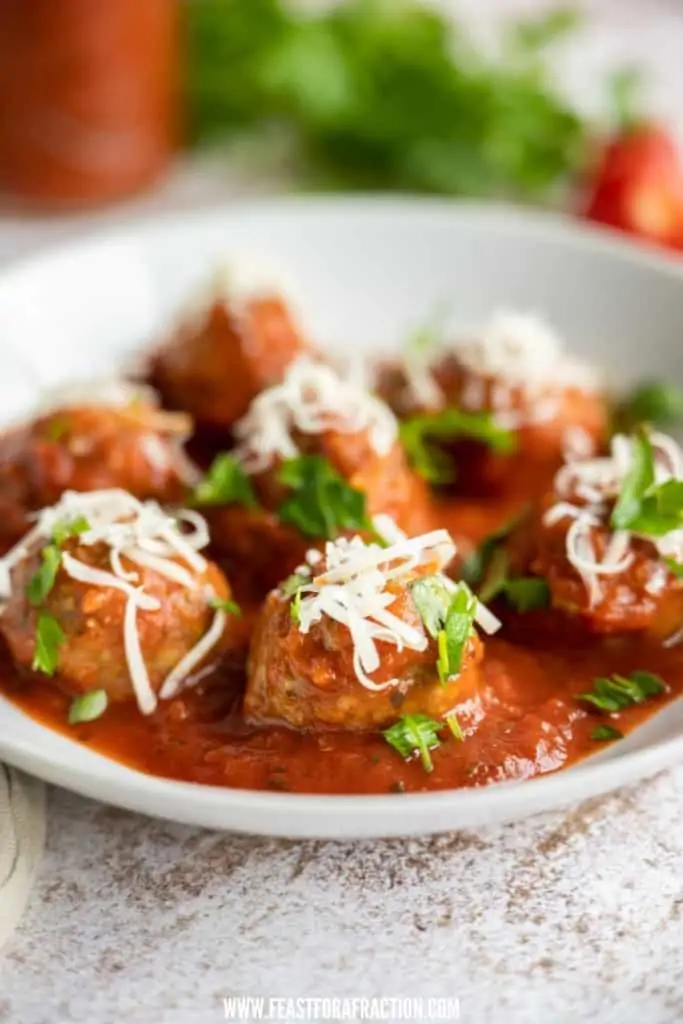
310, 400
112, 392
351, 589
587, 490
236, 285
514, 366
145, 535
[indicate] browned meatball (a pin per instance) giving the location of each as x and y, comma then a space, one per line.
219, 359
136, 447
515, 372
310, 668
122, 613
606, 580
315, 414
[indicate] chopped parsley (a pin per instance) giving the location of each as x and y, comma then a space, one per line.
476, 565
448, 616
617, 692
454, 725
224, 604
606, 733
674, 567
295, 607
226, 483
524, 593
293, 583
415, 734
43, 580
88, 707
654, 402
422, 437
49, 639
643, 506
321, 503
62, 531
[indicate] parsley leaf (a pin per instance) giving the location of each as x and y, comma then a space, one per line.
448, 617
421, 436
605, 733
674, 567
527, 592
386, 95
618, 692
454, 725
49, 639
88, 707
293, 583
523, 592
637, 482
43, 580
475, 567
457, 631
431, 596
654, 402
322, 503
56, 427
72, 528
415, 734
295, 607
224, 604
226, 483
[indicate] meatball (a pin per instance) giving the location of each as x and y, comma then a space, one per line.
515, 372
239, 340
110, 593
134, 445
606, 579
351, 649
335, 436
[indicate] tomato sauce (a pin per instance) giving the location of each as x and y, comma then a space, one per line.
532, 722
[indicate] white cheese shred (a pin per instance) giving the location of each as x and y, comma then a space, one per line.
142, 534
351, 589
311, 399
587, 490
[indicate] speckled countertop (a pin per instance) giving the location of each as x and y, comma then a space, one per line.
567, 918
564, 919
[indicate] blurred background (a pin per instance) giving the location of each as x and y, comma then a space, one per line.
130, 106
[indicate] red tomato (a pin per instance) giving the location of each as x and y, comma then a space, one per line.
638, 187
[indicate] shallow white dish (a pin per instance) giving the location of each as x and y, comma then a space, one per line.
367, 270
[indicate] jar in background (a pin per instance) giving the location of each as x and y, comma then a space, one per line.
88, 97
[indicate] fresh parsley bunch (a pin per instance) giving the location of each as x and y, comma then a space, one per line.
386, 94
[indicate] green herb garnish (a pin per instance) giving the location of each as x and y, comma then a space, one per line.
321, 503
388, 95
56, 427
654, 402
293, 583
295, 607
617, 692
43, 580
475, 567
224, 604
523, 592
74, 528
448, 617
605, 733
226, 483
643, 506
423, 436
415, 734
454, 725
674, 567
49, 639
88, 707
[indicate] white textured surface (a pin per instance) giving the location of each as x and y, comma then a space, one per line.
564, 919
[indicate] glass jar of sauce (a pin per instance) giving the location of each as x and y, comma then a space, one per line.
88, 97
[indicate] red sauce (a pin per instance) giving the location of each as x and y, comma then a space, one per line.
88, 97
532, 724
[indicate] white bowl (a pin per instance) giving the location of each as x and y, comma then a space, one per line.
367, 271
